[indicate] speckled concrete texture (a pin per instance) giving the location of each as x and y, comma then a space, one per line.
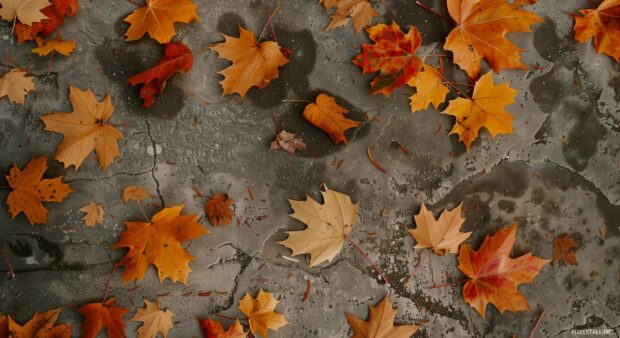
558, 173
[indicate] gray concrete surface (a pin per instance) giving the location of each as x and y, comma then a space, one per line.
557, 174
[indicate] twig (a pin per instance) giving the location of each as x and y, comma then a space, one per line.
7, 58
373, 161
275, 122
8, 262
537, 324
308, 288
107, 288
374, 266
440, 15
268, 21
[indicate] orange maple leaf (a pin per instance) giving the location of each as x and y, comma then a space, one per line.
261, 313
57, 45
157, 18
177, 59
442, 235
85, 129
603, 24
330, 117
380, 323
55, 17
486, 108
100, 315
255, 63
494, 275
40, 325
360, 11
29, 190
563, 246
213, 329
218, 210
159, 243
392, 54
481, 26
429, 89
135, 193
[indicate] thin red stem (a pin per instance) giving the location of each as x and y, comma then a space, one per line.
134, 3
417, 267
109, 283
374, 266
447, 284
8, 262
273, 31
267, 23
537, 323
440, 15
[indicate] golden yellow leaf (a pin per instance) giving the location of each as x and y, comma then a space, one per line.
85, 129
26, 11
254, 64
15, 84
135, 193
360, 11
330, 117
94, 214
486, 108
157, 18
329, 224
602, 24
57, 45
41, 325
261, 313
442, 235
429, 89
380, 323
154, 320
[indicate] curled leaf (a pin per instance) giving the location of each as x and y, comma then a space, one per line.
330, 117
287, 142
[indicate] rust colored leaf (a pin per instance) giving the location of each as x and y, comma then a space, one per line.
563, 246
392, 55
494, 276
177, 59
213, 329
100, 315
30, 189
602, 24
55, 14
218, 210
330, 117
287, 142
159, 243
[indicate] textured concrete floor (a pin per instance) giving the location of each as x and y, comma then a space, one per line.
557, 174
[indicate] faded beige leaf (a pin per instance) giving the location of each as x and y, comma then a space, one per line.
94, 214
442, 235
26, 11
15, 84
135, 193
154, 320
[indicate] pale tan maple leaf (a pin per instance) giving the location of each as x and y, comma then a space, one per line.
360, 12
26, 11
15, 84
380, 323
94, 214
154, 320
442, 235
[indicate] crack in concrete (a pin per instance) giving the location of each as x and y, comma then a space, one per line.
154, 145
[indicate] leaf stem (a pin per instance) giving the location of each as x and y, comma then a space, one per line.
373, 161
372, 263
109, 283
421, 258
143, 213
6, 259
267, 23
537, 324
440, 15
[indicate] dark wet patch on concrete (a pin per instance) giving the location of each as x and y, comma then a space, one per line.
406, 13
583, 138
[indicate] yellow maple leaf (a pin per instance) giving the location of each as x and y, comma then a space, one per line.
442, 235
330, 117
484, 109
480, 34
57, 45
380, 323
15, 84
154, 320
85, 129
329, 224
261, 313
360, 11
429, 89
157, 19
26, 11
94, 214
254, 63
158, 242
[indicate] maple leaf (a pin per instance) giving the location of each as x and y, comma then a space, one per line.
26, 11
159, 243
41, 325
429, 89
15, 84
85, 129
55, 13
154, 320
29, 190
100, 315
602, 24
287, 142
330, 117
494, 275
360, 11
442, 235
392, 55
94, 214
177, 59
135, 193
213, 329
218, 210
157, 18
486, 108
329, 224
261, 313
481, 26
563, 246
254, 63
57, 45
4, 326
380, 323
